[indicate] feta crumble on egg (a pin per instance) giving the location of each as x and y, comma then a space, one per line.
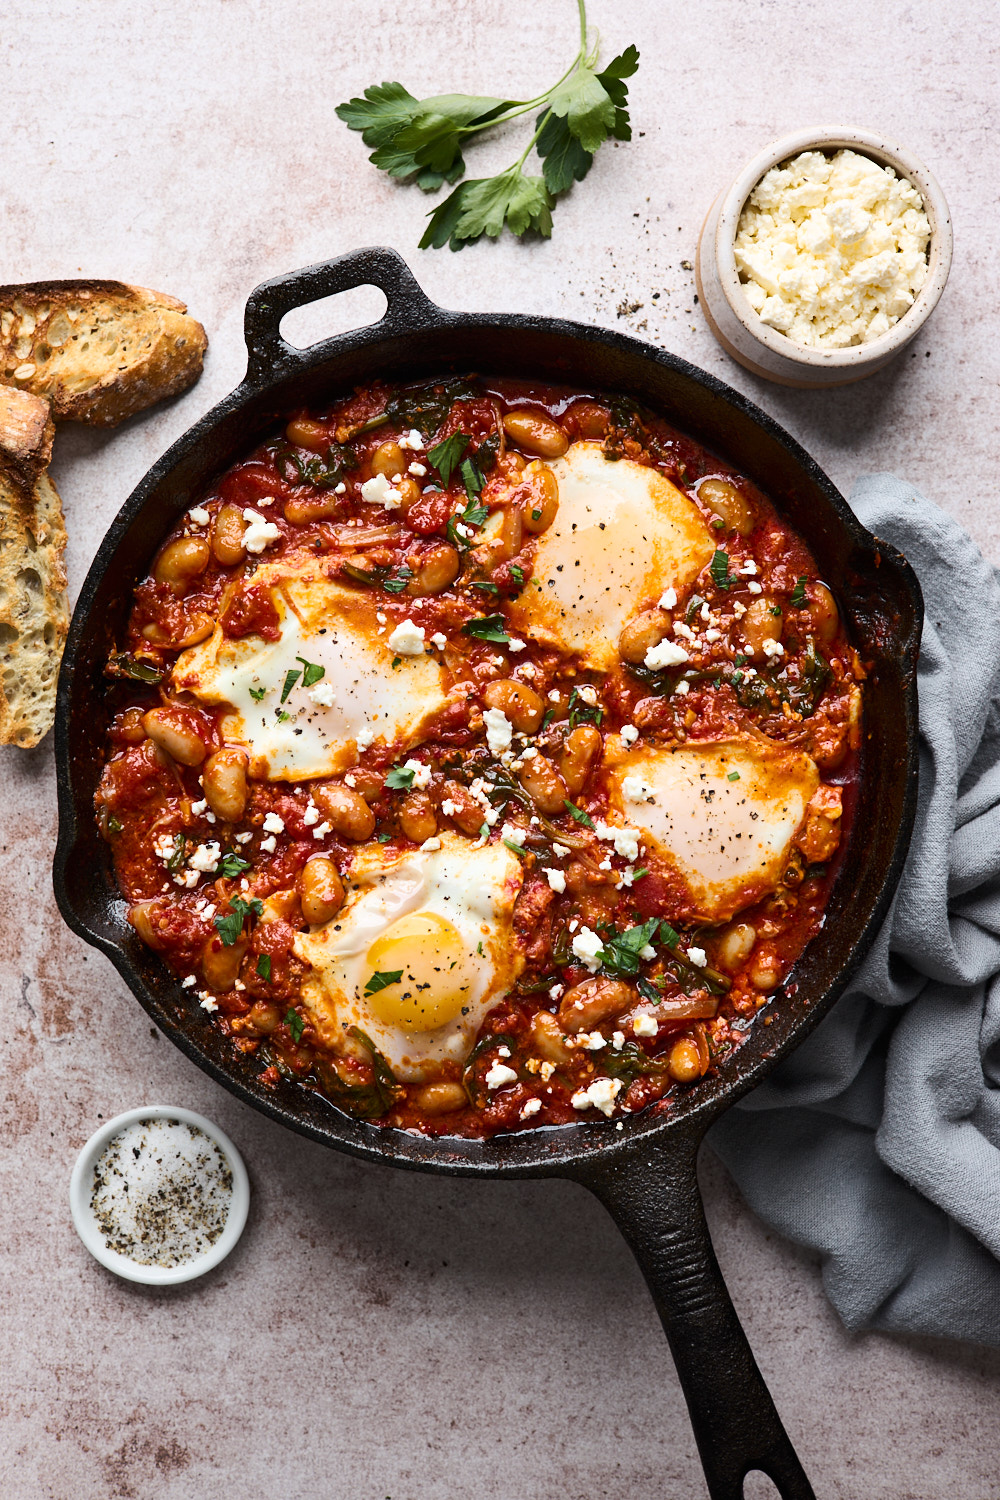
668, 599
832, 251
634, 789
323, 695
629, 733
407, 639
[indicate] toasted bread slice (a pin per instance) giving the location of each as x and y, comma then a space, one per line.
34, 615
98, 350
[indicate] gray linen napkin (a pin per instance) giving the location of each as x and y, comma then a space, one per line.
877, 1143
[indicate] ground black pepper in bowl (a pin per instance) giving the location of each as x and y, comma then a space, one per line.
162, 1193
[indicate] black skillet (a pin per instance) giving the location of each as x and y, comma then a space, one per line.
644, 1174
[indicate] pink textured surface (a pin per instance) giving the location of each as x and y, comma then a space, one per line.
378, 1334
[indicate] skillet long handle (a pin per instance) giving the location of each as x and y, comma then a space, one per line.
651, 1191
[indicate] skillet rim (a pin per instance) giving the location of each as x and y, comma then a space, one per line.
569, 1150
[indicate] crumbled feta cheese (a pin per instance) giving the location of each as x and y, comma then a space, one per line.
321, 830
749, 568
554, 695
832, 251
546, 1071
648, 952
450, 808
772, 648
644, 1025
560, 851
186, 878
260, 533
417, 470
513, 835
311, 814
586, 946
666, 654
629, 733
617, 1041
439, 640
592, 1041
199, 515
199, 807
588, 694
557, 991
269, 844
556, 880
365, 736
244, 838
499, 731
713, 635
189, 982
205, 858
164, 847
411, 440
601, 1095
625, 840
208, 1002
378, 491
531, 1107
739, 609
323, 695
432, 843
516, 645
683, 630
500, 1074
421, 774
668, 599
681, 689
634, 789
698, 957
754, 588
407, 639
273, 823
463, 530
340, 489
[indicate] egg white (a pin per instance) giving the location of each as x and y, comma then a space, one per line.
473, 888
335, 628
622, 534
727, 838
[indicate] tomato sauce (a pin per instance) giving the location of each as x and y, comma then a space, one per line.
223, 900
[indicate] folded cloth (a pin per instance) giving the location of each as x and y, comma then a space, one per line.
877, 1142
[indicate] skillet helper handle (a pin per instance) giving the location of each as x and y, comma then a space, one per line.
269, 354
652, 1194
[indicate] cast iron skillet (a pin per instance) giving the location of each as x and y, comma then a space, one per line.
643, 1173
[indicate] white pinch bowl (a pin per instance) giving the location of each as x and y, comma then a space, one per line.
82, 1185
774, 355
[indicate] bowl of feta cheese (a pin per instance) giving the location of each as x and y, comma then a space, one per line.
824, 258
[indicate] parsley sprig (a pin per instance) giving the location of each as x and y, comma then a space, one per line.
422, 140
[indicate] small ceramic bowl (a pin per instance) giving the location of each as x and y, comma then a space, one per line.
82, 1186
774, 355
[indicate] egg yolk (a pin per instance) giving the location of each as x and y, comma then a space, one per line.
428, 953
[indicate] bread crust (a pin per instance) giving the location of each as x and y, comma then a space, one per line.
99, 351
34, 613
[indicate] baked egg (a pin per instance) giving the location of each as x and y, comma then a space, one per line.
623, 534
419, 952
358, 689
723, 815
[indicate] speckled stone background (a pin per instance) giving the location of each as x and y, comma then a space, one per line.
378, 1334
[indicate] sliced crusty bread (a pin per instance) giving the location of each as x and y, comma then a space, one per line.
98, 350
34, 615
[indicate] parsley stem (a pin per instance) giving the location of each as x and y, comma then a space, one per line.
523, 106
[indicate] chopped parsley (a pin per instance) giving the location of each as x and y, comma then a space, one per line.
516, 573
798, 599
257, 694
621, 950
733, 776
473, 515
180, 849
719, 569
264, 967
395, 583
514, 848
291, 678
382, 981
229, 928
113, 825
490, 588
487, 628
232, 864
580, 711
447, 455
311, 673
295, 1024
399, 779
